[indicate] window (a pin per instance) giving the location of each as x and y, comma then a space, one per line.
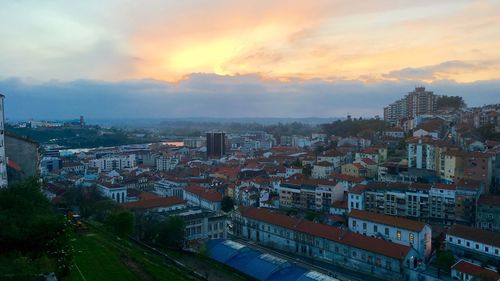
412, 237
459, 241
364, 226
486, 249
398, 235
354, 223
496, 251
450, 239
375, 228
468, 244
387, 231
477, 246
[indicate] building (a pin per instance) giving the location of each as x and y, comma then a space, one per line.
398, 230
473, 243
166, 163
216, 144
23, 152
365, 254
415, 103
203, 197
3, 156
115, 192
467, 271
159, 204
488, 212
167, 188
315, 195
110, 163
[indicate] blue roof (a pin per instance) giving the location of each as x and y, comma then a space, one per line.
264, 265
223, 250
287, 273
258, 265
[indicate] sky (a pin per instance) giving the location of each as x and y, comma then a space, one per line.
124, 58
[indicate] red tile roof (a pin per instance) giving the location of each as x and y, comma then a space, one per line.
445, 186
475, 270
348, 178
154, 203
387, 220
489, 200
474, 234
358, 189
205, 193
332, 233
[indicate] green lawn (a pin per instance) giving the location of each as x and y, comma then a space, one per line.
100, 256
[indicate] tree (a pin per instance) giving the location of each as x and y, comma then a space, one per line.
171, 233
445, 260
33, 239
227, 204
455, 102
121, 222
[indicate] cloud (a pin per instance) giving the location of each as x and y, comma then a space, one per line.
210, 95
437, 71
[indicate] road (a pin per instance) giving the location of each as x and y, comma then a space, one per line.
327, 268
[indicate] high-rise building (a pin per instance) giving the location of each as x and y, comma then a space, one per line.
417, 102
216, 146
3, 158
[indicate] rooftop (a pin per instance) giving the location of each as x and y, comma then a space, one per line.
332, 233
387, 220
475, 270
474, 234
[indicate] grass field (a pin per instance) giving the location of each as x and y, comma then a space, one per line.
100, 256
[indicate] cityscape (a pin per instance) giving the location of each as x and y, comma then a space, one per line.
227, 149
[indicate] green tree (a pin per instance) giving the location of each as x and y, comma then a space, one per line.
33, 239
227, 204
455, 102
171, 233
445, 260
121, 222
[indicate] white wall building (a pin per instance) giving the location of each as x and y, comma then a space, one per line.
114, 162
3, 156
398, 230
115, 192
166, 163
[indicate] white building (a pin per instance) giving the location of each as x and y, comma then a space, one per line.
467, 271
355, 198
290, 171
398, 230
166, 163
169, 188
115, 192
475, 243
3, 156
114, 162
203, 197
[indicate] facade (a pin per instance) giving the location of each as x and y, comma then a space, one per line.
216, 146
159, 204
114, 162
167, 188
317, 196
473, 243
203, 197
467, 271
398, 230
3, 156
415, 103
488, 213
166, 163
369, 255
115, 192
23, 152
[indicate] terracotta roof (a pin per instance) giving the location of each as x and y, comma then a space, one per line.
346, 177
445, 186
387, 220
489, 200
332, 233
474, 234
358, 189
205, 193
475, 270
340, 204
369, 161
154, 203
324, 164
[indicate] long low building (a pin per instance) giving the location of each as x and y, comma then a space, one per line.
395, 229
372, 256
473, 243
